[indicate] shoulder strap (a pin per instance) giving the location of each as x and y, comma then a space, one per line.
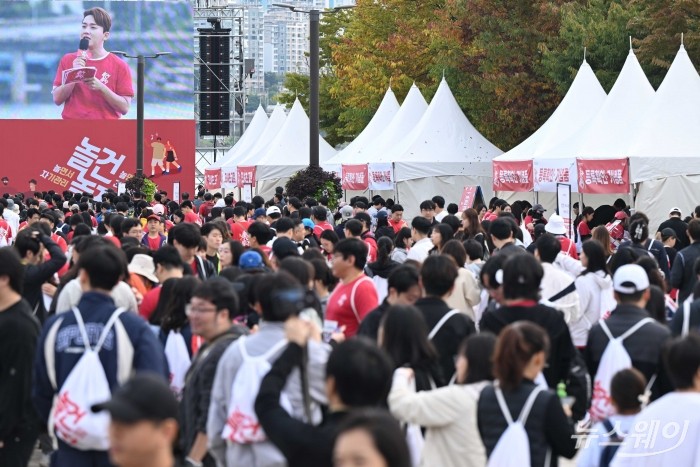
563, 293
441, 323
266, 356
110, 323
502, 404
651, 243
201, 265
635, 328
525, 413
352, 296
50, 353
81, 327
686, 318
608, 426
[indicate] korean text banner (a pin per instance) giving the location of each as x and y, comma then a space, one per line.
381, 176
94, 156
604, 176
512, 176
355, 177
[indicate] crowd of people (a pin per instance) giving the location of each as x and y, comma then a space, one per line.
281, 332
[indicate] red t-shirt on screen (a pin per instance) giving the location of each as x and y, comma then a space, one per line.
85, 103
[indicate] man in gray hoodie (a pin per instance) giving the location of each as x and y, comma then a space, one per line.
276, 298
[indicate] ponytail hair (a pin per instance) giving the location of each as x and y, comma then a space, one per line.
384, 247
516, 345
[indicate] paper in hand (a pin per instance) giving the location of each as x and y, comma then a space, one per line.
75, 75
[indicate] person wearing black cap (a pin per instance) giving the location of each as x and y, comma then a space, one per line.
144, 423
670, 241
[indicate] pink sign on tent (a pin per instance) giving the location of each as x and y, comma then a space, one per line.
512, 176
355, 177
212, 179
468, 197
603, 176
246, 176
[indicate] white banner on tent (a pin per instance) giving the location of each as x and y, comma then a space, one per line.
381, 176
564, 207
228, 177
548, 172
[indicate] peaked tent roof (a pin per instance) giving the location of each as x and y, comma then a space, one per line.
609, 134
290, 148
444, 142
251, 155
247, 140
408, 116
667, 142
580, 104
386, 111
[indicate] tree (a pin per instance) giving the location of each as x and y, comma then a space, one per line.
603, 28
661, 24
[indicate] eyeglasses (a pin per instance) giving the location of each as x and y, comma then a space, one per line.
190, 310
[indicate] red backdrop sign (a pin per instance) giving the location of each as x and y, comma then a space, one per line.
468, 197
93, 155
610, 176
513, 176
355, 177
212, 179
246, 176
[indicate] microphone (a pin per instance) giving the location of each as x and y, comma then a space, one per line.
83, 47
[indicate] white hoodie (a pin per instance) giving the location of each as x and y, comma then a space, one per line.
596, 295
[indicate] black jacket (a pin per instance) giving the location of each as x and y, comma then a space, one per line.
369, 327
547, 426
36, 274
644, 346
683, 277
657, 251
450, 336
302, 444
204, 269
19, 333
676, 324
681, 229
561, 348
194, 407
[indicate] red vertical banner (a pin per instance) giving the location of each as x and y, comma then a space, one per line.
513, 176
467, 199
599, 176
246, 176
355, 177
212, 179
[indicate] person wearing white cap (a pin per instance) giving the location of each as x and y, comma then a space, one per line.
556, 227
644, 346
675, 222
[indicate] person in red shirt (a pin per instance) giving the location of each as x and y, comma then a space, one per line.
168, 265
320, 217
396, 219
206, 207
108, 94
239, 225
584, 230
187, 209
556, 227
154, 239
355, 296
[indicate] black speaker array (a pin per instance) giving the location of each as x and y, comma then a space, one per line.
214, 81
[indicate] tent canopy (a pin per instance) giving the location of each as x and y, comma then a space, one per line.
580, 104
444, 142
248, 139
289, 151
252, 154
376, 126
408, 116
667, 142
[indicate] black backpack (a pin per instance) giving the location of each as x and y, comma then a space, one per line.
578, 385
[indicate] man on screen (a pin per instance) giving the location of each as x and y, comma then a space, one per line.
108, 94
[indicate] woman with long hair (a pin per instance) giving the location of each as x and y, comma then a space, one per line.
403, 334
601, 234
472, 228
402, 243
466, 293
595, 292
449, 413
441, 234
176, 295
229, 253
327, 241
519, 357
379, 270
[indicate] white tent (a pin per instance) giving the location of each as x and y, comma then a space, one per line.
288, 152
252, 153
581, 103
609, 134
442, 154
255, 129
411, 111
665, 153
386, 111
